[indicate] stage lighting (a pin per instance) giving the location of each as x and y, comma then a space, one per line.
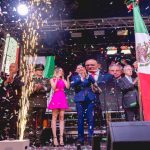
122, 32
111, 50
22, 9
99, 32
125, 50
76, 34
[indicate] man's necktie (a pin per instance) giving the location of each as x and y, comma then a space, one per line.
93, 74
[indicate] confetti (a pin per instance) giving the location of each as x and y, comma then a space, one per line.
30, 37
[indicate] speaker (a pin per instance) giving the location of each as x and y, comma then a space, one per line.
128, 135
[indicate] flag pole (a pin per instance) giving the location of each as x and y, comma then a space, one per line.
140, 101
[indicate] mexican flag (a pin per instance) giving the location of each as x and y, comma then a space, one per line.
142, 40
49, 66
48, 62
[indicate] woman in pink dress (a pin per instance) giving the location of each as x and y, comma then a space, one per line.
58, 103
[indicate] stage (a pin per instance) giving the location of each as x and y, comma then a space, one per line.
24, 145
69, 147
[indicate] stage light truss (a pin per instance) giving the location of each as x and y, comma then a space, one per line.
91, 24
76, 25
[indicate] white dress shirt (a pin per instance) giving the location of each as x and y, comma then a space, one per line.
96, 75
129, 78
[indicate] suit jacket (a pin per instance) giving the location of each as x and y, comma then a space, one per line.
83, 90
129, 93
11, 93
103, 80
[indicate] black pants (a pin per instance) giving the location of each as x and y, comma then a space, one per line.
34, 126
132, 114
36, 116
99, 118
98, 115
8, 123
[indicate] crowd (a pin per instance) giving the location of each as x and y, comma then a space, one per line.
89, 84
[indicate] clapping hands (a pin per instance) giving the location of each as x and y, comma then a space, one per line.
38, 87
70, 73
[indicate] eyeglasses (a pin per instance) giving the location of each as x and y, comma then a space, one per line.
115, 70
90, 65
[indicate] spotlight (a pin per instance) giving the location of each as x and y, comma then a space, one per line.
22, 9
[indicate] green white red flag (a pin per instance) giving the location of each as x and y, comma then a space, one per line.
142, 40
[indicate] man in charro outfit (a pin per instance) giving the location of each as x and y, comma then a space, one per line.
38, 99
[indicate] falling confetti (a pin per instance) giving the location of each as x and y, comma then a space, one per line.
147, 7
111, 3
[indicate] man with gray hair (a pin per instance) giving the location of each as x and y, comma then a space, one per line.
10, 94
128, 87
114, 91
116, 70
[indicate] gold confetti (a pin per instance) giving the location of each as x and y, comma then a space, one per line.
30, 39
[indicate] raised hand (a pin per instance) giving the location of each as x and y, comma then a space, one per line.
38, 87
70, 73
84, 73
9, 79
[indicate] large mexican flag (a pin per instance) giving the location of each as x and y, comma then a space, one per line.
142, 40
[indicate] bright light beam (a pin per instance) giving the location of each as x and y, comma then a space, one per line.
22, 10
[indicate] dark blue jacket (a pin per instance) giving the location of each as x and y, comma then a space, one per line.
103, 79
83, 91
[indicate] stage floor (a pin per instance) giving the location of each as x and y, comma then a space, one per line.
68, 147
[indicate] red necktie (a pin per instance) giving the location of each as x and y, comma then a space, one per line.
93, 74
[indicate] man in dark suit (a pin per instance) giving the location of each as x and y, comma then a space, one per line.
128, 86
10, 94
101, 79
114, 91
84, 99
